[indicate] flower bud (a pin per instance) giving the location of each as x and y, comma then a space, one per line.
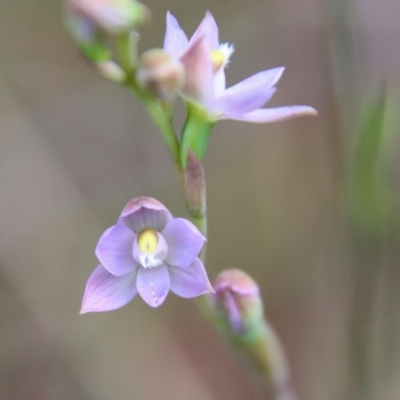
112, 16
237, 297
79, 26
110, 70
160, 74
195, 186
238, 312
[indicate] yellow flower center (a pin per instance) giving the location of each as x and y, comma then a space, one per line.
217, 59
147, 240
220, 57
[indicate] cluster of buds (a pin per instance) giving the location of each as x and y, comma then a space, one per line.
93, 22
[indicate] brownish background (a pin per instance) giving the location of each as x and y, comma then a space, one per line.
75, 148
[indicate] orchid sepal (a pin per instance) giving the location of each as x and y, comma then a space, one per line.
196, 132
95, 52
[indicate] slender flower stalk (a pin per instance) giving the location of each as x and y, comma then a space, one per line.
195, 187
164, 124
127, 53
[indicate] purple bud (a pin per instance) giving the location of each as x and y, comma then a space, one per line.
112, 16
237, 297
238, 312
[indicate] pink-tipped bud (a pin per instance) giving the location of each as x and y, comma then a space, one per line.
238, 310
112, 16
237, 298
160, 74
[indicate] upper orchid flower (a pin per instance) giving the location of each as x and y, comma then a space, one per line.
205, 59
147, 252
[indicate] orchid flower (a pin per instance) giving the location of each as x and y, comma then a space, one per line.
205, 59
147, 252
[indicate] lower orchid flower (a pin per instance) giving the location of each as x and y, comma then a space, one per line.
147, 252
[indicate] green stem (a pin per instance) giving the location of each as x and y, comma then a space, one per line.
164, 124
201, 223
195, 194
125, 53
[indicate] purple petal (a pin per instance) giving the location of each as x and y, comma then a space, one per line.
219, 82
79, 25
145, 212
271, 114
184, 242
153, 284
175, 41
242, 104
233, 312
250, 94
199, 74
106, 292
191, 281
105, 14
114, 250
209, 29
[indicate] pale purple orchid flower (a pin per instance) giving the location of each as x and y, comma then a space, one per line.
205, 59
147, 252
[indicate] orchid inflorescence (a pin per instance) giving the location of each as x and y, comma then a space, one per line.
148, 252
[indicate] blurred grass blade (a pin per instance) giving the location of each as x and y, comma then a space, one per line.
370, 198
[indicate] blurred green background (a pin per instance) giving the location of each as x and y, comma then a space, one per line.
75, 148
